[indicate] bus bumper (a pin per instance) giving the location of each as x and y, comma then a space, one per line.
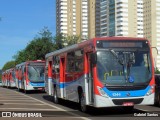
110, 102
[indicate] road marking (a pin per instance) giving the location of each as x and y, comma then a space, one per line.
15, 98
21, 104
54, 106
58, 108
18, 100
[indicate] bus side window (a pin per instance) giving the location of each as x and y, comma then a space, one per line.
70, 62
79, 65
70, 65
79, 61
56, 62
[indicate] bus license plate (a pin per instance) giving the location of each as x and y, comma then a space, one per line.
128, 104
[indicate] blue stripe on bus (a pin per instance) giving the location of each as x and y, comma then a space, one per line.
64, 84
37, 84
132, 93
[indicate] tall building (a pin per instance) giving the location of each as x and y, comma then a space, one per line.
151, 23
132, 18
91, 18
119, 18
72, 17
98, 18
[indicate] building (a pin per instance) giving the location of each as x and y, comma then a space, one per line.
132, 18
72, 17
119, 18
98, 18
151, 23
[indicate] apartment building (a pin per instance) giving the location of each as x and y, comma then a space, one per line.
151, 15
132, 18
98, 18
120, 18
72, 17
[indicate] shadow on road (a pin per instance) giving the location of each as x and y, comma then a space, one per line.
96, 112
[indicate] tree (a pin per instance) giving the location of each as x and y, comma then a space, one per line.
72, 39
62, 40
37, 48
9, 65
59, 42
157, 71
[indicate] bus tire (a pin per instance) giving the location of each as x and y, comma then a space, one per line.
83, 106
25, 91
55, 98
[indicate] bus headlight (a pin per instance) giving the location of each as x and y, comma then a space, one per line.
150, 91
102, 92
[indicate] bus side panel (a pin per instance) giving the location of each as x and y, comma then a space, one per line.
72, 86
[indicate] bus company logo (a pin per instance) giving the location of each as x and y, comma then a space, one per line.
6, 114
116, 94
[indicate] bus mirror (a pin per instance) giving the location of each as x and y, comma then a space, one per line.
94, 58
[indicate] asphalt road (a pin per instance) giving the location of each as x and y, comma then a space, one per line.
39, 104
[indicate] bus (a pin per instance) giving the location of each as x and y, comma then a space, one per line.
4, 79
11, 80
30, 75
102, 72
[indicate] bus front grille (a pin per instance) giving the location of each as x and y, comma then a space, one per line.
122, 101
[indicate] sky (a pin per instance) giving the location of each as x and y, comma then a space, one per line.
20, 22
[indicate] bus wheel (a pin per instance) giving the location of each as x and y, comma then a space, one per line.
83, 106
25, 91
55, 96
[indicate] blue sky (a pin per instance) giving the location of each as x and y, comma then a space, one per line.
21, 22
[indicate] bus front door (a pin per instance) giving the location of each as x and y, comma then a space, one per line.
90, 79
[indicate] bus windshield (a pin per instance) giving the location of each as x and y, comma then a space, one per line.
124, 67
36, 73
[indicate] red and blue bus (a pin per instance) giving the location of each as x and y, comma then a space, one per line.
30, 75
11, 79
102, 72
8, 78
4, 79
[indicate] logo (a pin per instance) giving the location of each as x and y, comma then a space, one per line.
6, 114
116, 94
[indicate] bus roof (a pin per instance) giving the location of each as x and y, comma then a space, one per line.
38, 61
86, 42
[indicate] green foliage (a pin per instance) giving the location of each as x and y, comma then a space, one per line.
59, 41
157, 71
72, 39
9, 65
62, 40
